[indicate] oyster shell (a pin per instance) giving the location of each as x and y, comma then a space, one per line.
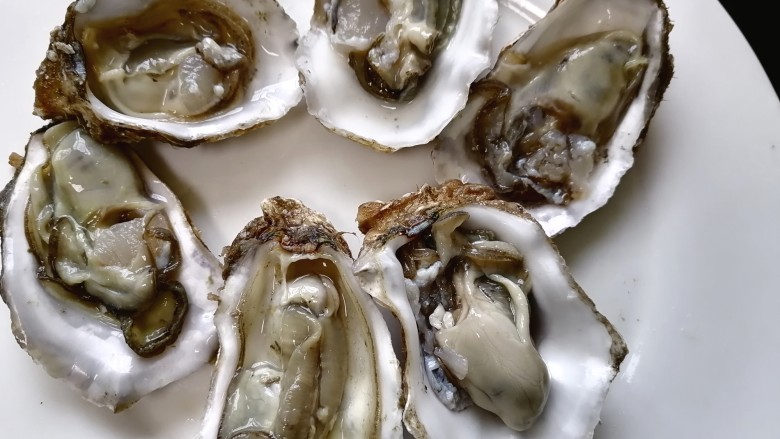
304, 352
500, 340
554, 124
182, 71
105, 278
514, 18
403, 66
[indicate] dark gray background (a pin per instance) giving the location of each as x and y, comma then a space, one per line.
760, 25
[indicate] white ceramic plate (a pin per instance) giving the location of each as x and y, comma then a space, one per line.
684, 259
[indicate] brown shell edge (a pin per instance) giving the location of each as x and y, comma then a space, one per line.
295, 227
414, 211
60, 80
665, 73
61, 94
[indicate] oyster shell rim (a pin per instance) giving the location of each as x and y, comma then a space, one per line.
556, 219
451, 194
423, 207
62, 93
303, 63
301, 231
202, 306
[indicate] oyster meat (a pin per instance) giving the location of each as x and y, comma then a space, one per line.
555, 122
404, 66
500, 340
105, 278
304, 352
183, 71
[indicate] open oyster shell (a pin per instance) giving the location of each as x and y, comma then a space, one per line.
555, 123
304, 352
179, 71
106, 280
482, 295
392, 74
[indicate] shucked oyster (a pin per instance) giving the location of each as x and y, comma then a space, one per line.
554, 124
391, 74
500, 340
304, 352
181, 71
106, 280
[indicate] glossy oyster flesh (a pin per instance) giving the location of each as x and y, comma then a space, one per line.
106, 280
403, 65
304, 352
184, 71
554, 124
500, 340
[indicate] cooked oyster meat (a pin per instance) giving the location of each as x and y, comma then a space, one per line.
553, 125
105, 278
304, 352
500, 341
180, 71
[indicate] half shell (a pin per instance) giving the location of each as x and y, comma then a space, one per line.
478, 340
181, 71
304, 352
430, 50
70, 283
554, 125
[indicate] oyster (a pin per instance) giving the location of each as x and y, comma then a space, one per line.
554, 124
183, 71
403, 66
106, 280
304, 352
500, 340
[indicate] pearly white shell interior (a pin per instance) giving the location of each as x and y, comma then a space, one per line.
338, 101
92, 356
270, 94
570, 19
371, 399
573, 341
